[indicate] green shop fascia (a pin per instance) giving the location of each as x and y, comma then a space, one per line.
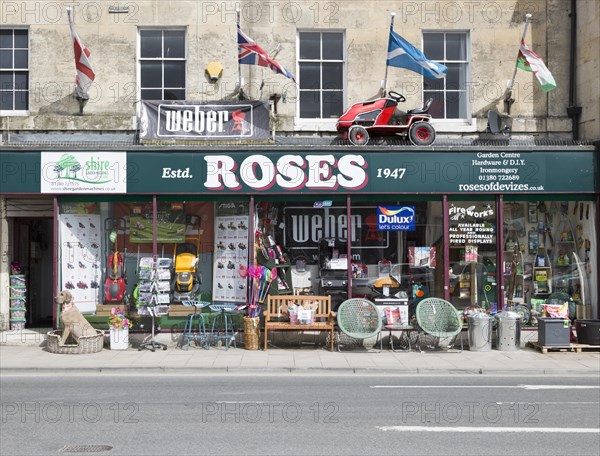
345, 176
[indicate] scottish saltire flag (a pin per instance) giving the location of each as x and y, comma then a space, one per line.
402, 54
85, 73
250, 53
530, 61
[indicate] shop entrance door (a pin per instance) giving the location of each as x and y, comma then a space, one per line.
33, 239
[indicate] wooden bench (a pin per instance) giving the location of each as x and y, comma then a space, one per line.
277, 310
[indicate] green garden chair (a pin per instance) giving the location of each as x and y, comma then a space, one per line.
358, 319
440, 320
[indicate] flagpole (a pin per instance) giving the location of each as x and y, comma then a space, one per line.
384, 82
237, 15
508, 99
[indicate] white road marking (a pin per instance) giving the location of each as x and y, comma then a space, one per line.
497, 430
552, 403
527, 387
546, 387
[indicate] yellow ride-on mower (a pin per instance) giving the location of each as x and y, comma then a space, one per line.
187, 278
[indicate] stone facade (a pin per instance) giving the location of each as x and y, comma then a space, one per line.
588, 68
494, 31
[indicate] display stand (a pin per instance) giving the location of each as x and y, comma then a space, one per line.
542, 274
154, 311
513, 273
283, 283
566, 278
154, 281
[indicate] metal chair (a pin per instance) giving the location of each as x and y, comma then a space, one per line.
439, 319
222, 326
197, 318
358, 318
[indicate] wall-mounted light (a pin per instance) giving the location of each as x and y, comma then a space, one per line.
118, 9
214, 71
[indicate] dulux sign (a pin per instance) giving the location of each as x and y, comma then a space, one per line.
396, 218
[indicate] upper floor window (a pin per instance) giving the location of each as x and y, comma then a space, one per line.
162, 64
14, 70
321, 74
450, 94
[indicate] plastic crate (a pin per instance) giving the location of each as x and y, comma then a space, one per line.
18, 292
17, 313
17, 324
554, 332
18, 302
18, 280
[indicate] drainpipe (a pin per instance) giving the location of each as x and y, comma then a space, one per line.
574, 112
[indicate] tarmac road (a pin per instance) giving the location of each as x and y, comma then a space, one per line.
245, 413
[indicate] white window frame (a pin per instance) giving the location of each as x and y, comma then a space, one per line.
162, 59
20, 112
468, 124
301, 124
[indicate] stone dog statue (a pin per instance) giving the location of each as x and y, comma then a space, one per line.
74, 323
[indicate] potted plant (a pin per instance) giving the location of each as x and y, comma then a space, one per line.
119, 326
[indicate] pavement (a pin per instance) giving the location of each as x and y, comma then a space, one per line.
24, 352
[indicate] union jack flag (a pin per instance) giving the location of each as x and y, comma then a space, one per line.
85, 73
250, 53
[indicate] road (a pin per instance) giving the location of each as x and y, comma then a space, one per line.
299, 415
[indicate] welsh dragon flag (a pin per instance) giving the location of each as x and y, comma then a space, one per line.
530, 61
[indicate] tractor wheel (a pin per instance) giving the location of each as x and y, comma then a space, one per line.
359, 136
421, 134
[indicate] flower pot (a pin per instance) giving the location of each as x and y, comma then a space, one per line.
119, 339
251, 333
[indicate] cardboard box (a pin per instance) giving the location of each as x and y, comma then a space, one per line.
179, 310
395, 304
103, 310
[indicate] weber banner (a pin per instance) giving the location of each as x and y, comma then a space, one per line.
248, 120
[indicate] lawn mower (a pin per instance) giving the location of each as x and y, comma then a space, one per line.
187, 278
380, 117
115, 281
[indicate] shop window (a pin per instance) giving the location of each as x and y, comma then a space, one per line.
312, 240
472, 237
106, 253
321, 67
162, 64
547, 258
14, 71
398, 245
450, 94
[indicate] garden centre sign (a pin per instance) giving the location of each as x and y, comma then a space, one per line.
343, 170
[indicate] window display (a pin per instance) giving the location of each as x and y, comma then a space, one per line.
107, 253
553, 263
81, 271
231, 252
472, 236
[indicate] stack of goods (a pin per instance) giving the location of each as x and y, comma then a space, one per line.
18, 298
303, 314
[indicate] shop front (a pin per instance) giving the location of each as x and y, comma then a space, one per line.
485, 228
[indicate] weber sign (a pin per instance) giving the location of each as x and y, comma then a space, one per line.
247, 120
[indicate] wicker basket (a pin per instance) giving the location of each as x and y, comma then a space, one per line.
87, 344
251, 333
